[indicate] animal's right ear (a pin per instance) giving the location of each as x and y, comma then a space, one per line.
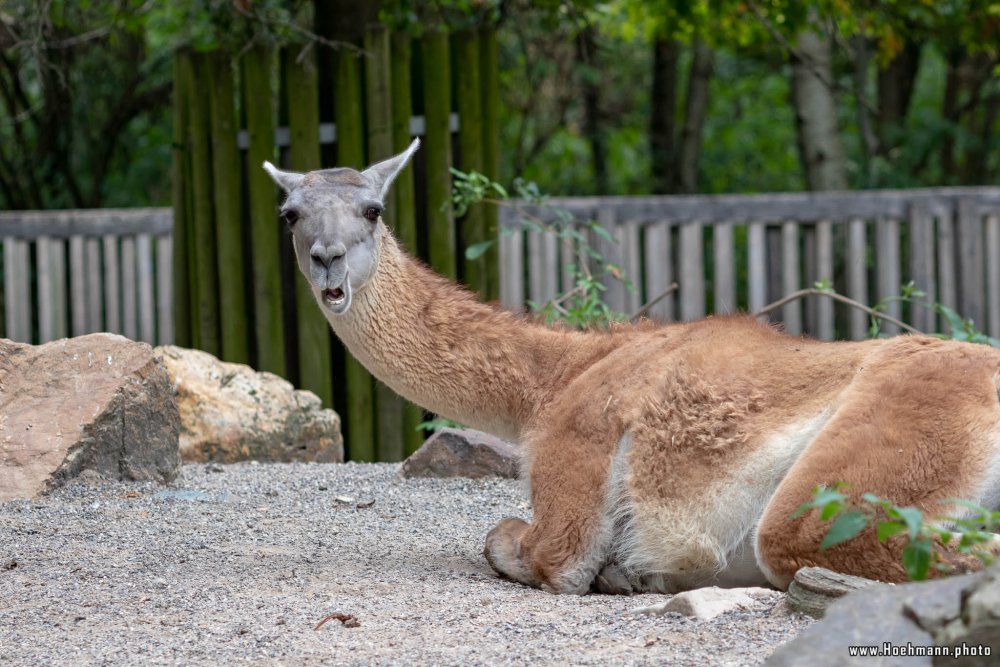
288, 180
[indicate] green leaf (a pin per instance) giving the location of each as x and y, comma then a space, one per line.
913, 518
917, 559
477, 250
830, 510
847, 526
887, 529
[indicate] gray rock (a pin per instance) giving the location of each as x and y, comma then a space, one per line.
815, 588
463, 453
707, 603
98, 404
942, 612
230, 412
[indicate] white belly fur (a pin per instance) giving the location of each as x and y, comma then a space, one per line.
681, 543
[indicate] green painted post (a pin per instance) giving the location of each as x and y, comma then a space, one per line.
489, 71
227, 175
302, 92
389, 444
206, 299
470, 147
404, 217
437, 153
351, 153
181, 296
264, 223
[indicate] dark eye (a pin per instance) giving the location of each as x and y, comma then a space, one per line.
372, 213
290, 216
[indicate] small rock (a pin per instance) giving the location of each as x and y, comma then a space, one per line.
61, 414
815, 588
463, 453
707, 603
229, 412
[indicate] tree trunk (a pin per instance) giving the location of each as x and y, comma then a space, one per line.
820, 148
663, 103
895, 88
695, 110
593, 126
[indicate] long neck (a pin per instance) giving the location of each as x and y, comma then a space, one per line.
435, 344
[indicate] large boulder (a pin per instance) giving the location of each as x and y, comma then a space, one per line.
455, 452
98, 402
229, 412
909, 624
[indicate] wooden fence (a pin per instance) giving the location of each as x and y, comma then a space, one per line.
740, 252
68, 273
237, 292
72, 272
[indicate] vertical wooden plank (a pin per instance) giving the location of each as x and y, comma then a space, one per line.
756, 266
692, 270
179, 181
888, 271
993, 275
130, 289
77, 287
659, 270
17, 290
227, 184
404, 218
947, 274
360, 388
922, 266
437, 152
46, 289
56, 267
857, 276
611, 251
489, 73
164, 291
568, 260
112, 285
628, 237
809, 277
824, 272
790, 281
265, 264
144, 252
512, 269
543, 267
470, 152
970, 249
390, 439
312, 330
206, 299
724, 275
95, 310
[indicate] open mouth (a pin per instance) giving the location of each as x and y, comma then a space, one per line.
334, 297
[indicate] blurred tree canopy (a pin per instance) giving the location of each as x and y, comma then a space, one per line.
619, 96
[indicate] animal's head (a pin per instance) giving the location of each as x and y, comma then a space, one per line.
335, 219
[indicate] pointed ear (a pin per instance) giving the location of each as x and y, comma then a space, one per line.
286, 179
382, 174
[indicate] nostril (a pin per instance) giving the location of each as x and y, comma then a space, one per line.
326, 256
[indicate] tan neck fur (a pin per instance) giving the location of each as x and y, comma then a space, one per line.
435, 344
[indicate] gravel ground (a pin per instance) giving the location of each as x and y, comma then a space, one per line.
238, 564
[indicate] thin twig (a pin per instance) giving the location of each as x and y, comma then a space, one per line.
652, 302
812, 291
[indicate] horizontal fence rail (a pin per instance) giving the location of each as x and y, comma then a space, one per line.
69, 273
731, 253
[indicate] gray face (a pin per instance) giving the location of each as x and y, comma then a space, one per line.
335, 219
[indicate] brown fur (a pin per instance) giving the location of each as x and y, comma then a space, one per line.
659, 457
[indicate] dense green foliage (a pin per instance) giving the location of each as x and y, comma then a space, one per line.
84, 88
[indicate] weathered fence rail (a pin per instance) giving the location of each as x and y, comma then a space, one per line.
740, 252
67, 273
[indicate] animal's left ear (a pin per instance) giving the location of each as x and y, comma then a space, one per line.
382, 174
286, 179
